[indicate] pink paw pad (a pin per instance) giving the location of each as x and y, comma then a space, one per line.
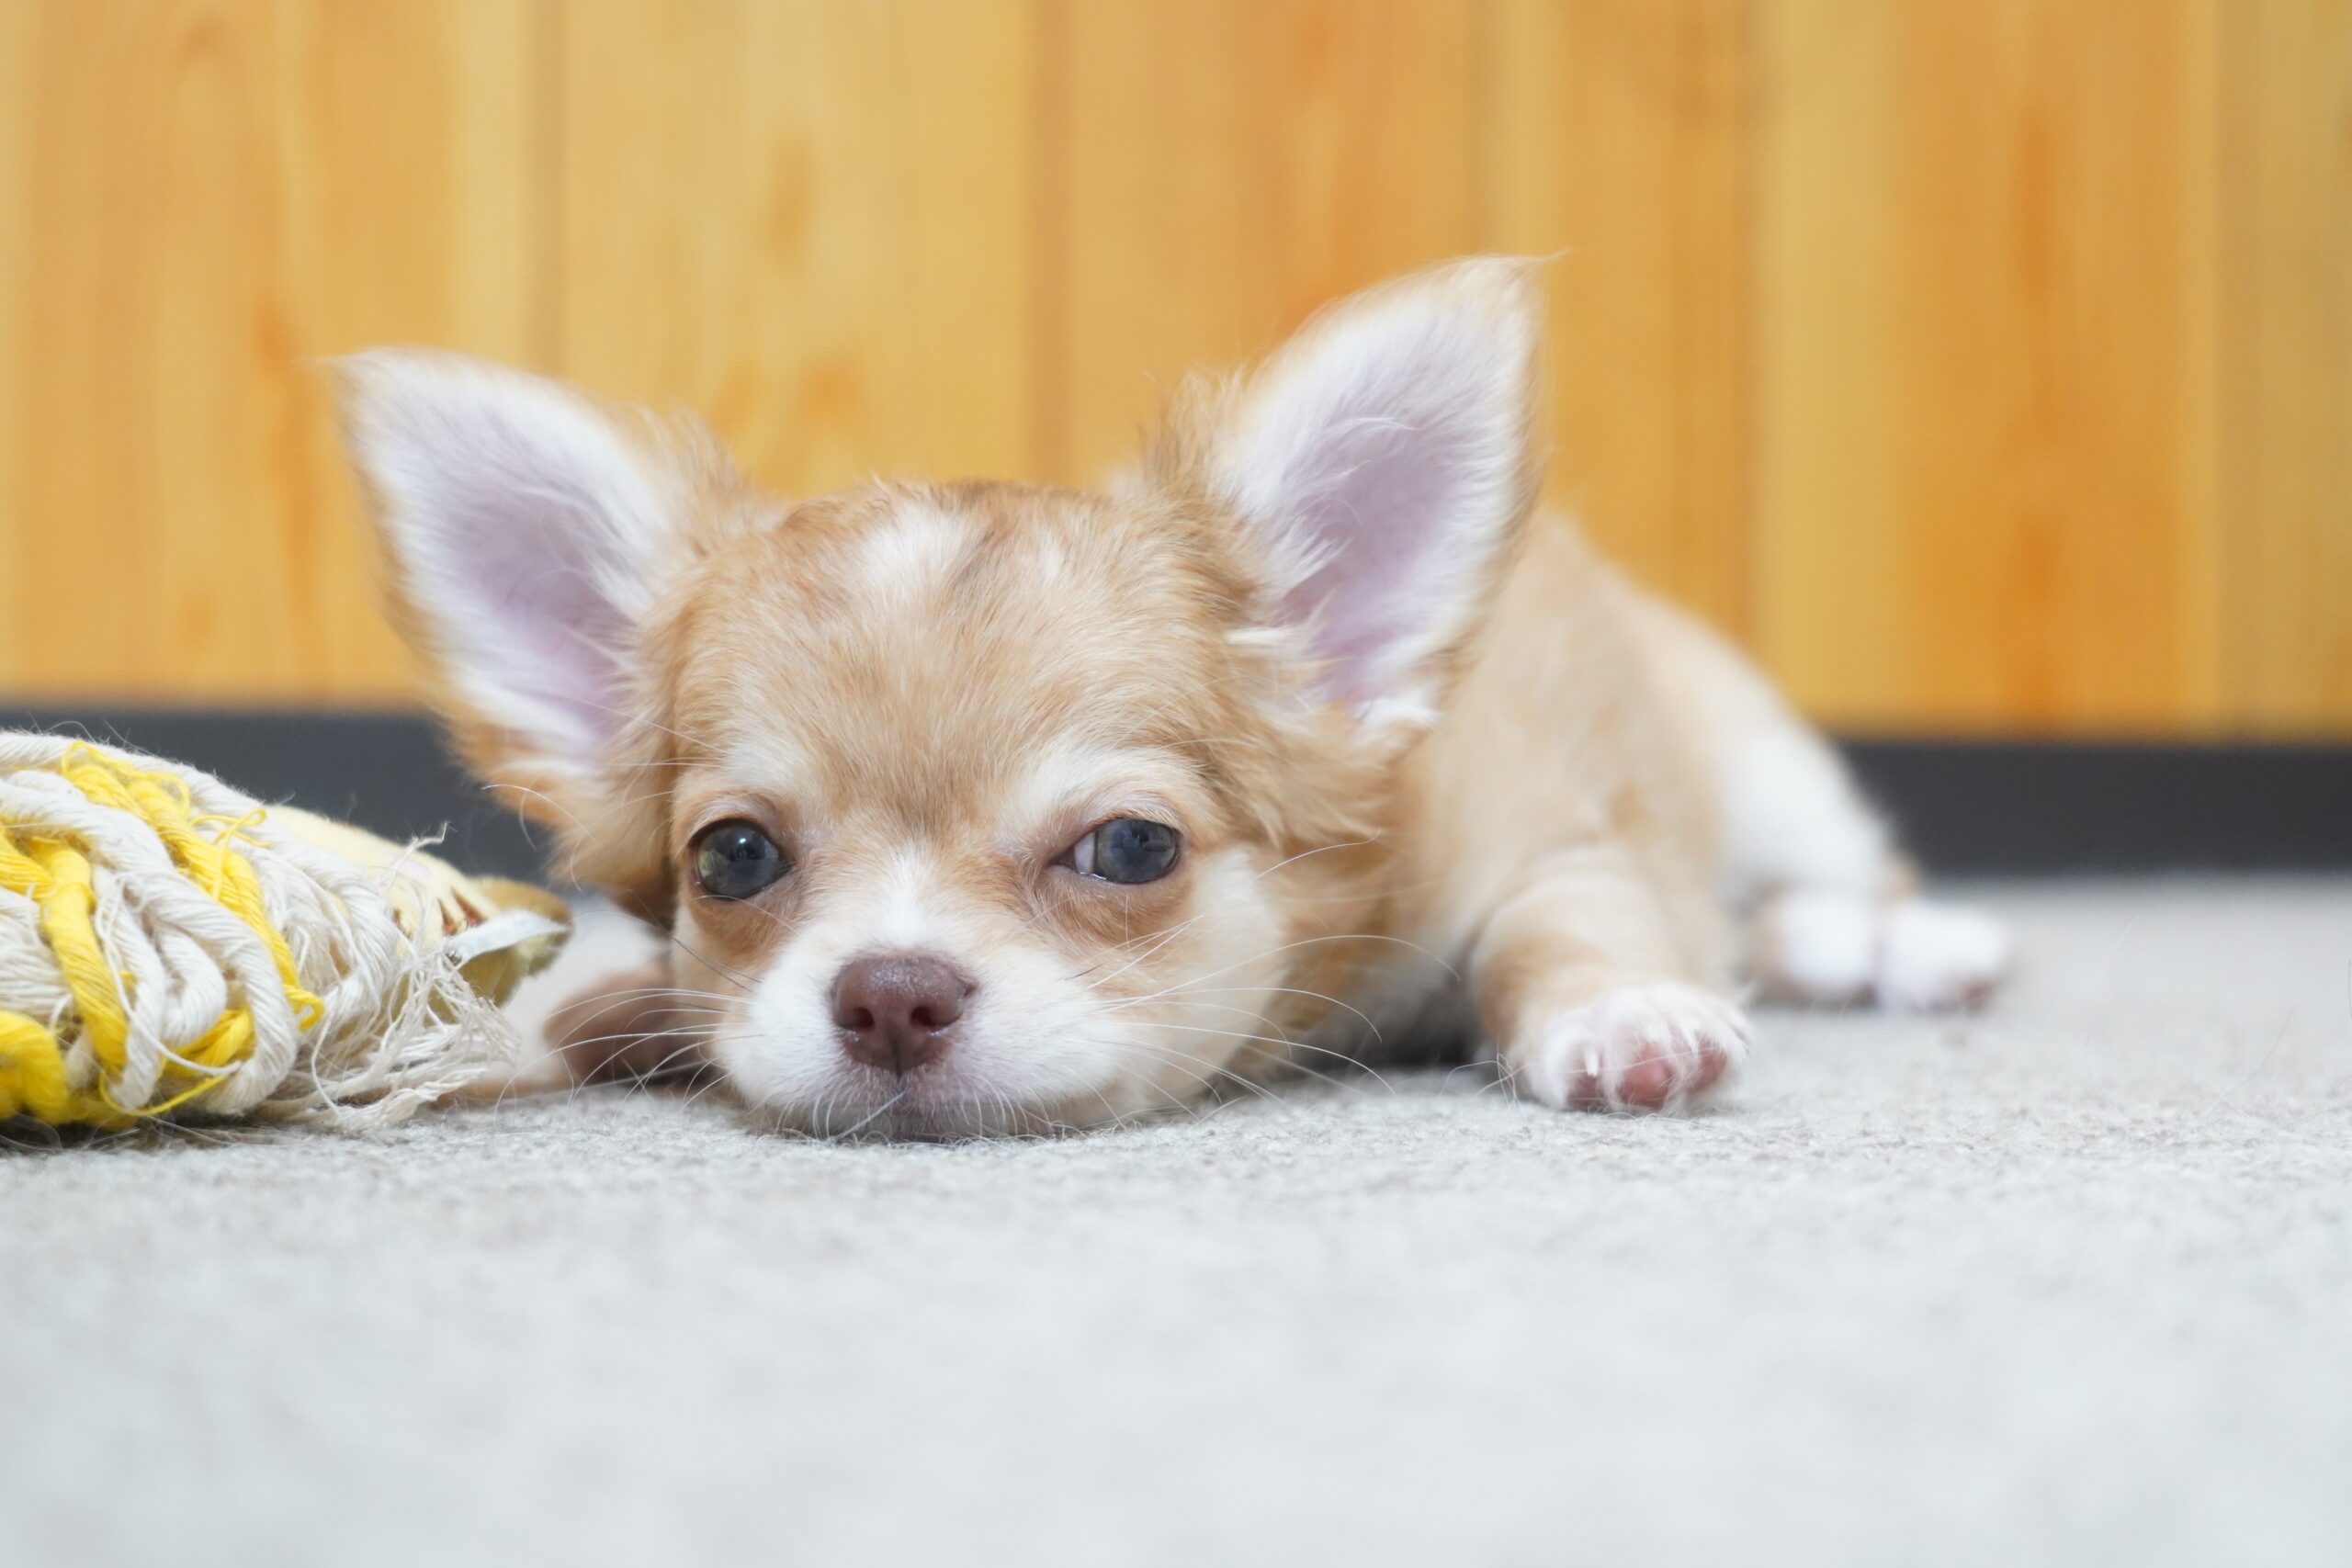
1647, 1048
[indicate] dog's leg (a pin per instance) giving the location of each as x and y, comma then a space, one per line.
1834, 914
628, 1028
1587, 999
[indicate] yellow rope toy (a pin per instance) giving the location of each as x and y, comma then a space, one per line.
169, 945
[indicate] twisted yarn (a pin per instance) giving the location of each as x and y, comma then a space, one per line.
167, 941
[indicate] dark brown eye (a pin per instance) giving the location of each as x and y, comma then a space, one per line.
736, 860
1126, 849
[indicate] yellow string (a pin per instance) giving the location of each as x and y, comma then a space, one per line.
32, 1077
50, 866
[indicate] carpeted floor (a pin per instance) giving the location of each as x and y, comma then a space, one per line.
2072, 1281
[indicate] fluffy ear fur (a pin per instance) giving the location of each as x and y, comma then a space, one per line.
1382, 464
525, 530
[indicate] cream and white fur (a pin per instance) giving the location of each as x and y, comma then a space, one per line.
1434, 764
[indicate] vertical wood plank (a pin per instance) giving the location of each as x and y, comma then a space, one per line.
1620, 143
1988, 381
809, 222
198, 199
19, 67
2286, 492
1225, 167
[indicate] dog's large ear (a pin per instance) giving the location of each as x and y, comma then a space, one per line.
524, 528
1382, 463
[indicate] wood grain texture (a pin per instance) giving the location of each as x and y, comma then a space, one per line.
1223, 167
1986, 302
1620, 143
806, 220
2286, 558
198, 200
1985, 364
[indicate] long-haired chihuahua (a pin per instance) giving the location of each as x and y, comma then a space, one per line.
998, 808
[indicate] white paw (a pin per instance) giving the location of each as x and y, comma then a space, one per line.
1646, 1048
1934, 958
1821, 945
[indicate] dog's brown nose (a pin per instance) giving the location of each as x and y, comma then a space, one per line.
893, 1009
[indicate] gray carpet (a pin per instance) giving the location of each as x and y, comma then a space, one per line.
2072, 1281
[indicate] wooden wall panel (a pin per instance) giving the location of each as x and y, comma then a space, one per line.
808, 221
198, 199
1985, 301
1216, 169
1985, 364
1620, 145
2286, 549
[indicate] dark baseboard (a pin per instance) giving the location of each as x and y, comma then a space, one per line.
386, 772
2008, 807
1966, 808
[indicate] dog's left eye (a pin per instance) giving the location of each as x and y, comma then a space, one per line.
1126, 849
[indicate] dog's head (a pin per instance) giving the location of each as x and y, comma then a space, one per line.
980, 807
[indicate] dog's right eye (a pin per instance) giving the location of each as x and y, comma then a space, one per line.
1126, 849
736, 860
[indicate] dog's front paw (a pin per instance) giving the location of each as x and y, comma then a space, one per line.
1653, 1047
630, 1028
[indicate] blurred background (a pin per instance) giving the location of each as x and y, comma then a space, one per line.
1984, 366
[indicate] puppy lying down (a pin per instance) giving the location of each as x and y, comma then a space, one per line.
994, 807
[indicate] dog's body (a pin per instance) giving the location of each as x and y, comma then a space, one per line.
996, 808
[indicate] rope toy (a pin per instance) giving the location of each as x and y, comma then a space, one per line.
169, 945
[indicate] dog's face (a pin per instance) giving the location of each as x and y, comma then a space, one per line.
983, 807
959, 819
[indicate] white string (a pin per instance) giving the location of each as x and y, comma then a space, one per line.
400, 1025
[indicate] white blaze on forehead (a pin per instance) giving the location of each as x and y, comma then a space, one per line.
915, 550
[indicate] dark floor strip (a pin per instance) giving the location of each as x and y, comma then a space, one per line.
1966, 807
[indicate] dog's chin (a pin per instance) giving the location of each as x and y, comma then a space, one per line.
850, 1121
863, 1106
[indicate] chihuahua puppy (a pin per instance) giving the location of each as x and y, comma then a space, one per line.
994, 807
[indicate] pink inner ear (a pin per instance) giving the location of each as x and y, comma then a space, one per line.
543, 612
1384, 506
518, 540
1379, 458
